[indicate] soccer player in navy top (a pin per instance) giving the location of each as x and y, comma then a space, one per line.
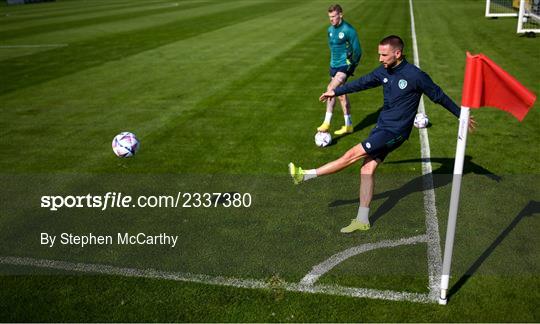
345, 53
403, 85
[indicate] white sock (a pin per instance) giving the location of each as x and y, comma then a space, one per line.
328, 117
310, 174
363, 215
348, 120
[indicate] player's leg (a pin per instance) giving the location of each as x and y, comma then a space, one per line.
345, 106
367, 184
378, 145
353, 155
367, 180
337, 80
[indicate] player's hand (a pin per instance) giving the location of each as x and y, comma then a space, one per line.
472, 124
327, 95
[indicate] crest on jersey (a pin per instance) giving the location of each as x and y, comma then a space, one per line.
385, 80
341, 35
402, 84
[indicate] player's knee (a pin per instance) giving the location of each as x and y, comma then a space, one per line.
352, 156
340, 77
368, 168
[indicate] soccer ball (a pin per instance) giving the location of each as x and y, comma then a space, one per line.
125, 144
322, 139
421, 120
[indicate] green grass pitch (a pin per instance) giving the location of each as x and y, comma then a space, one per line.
222, 95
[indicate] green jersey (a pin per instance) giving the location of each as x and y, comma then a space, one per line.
344, 45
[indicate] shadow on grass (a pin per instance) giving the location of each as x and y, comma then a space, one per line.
368, 120
419, 184
533, 207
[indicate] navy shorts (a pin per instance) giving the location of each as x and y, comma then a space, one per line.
347, 69
381, 142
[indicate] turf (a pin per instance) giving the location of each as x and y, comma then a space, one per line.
223, 94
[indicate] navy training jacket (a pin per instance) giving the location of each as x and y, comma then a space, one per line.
403, 86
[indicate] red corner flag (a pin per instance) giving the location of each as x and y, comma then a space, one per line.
486, 84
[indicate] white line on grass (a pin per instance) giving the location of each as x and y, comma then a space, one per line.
322, 268
432, 224
215, 280
34, 46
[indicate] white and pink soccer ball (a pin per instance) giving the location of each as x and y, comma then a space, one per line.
421, 120
322, 139
125, 144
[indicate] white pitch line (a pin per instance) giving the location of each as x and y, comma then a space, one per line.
34, 46
215, 280
362, 293
323, 267
132, 272
432, 224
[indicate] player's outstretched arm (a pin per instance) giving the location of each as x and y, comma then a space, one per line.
367, 81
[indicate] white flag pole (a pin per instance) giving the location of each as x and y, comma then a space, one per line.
454, 201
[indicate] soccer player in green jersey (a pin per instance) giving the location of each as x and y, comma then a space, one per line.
345, 53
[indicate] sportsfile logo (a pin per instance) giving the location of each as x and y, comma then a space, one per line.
110, 199
120, 200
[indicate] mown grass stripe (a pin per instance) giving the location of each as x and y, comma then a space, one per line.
69, 22
63, 6
25, 14
22, 72
14, 18
33, 45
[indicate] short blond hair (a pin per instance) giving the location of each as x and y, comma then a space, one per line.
335, 7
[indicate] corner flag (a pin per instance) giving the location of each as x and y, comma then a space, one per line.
485, 84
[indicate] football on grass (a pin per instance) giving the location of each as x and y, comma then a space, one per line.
421, 120
322, 139
125, 144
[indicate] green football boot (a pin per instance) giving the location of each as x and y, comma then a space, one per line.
344, 130
324, 127
296, 173
355, 225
